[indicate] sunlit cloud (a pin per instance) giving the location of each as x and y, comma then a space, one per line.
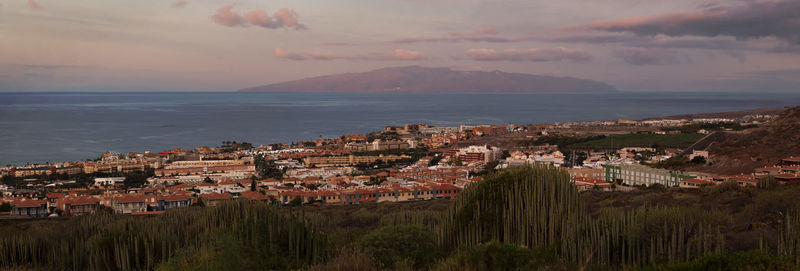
32, 4
283, 18
179, 4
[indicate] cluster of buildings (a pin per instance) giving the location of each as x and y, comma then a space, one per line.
407, 184
668, 122
326, 171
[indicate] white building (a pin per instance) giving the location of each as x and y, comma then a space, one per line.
110, 181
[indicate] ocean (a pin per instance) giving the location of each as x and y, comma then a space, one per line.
52, 127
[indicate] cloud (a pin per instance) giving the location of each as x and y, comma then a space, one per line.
403, 54
482, 34
33, 4
281, 53
533, 54
396, 55
179, 4
647, 56
749, 20
226, 17
283, 18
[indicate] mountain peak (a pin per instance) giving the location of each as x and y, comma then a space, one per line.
433, 79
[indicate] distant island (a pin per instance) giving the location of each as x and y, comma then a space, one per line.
427, 79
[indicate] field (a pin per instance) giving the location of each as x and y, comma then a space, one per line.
640, 140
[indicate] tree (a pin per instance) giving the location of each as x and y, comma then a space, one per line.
296, 201
6, 207
208, 180
267, 168
253, 185
699, 160
505, 155
138, 178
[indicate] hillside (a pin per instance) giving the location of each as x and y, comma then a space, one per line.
733, 114
425, 79
758, 147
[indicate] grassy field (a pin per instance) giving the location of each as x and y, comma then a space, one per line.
640, 140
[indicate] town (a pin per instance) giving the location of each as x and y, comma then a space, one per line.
413, 162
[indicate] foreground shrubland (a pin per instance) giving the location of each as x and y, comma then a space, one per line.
517, 219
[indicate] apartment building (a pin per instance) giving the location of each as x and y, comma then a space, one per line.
643, 175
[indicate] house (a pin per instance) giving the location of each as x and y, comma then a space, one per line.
446, 190
110, 181
695, 183
212, 199
330, 197
786, 178
791, 161
30, 208
173, 201
583, 184
129, 203
405, 194
52, 198
424, 192
743, 180
253, 195
696, 153
764, 171
79, 205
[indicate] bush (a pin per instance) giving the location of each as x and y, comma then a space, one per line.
698, 160
391, 245
6, 207
348, 259
499, 256
730, 185
741, 260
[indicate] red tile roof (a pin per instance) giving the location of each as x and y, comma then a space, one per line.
697, 181
29, 203
254, 195
53, 195
83, 200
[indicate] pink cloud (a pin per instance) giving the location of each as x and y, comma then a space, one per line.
33, 4
403, 54
396, 55
283, 18
226, 17
533, 54
179, 4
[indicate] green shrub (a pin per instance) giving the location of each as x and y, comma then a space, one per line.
732, 261
391, 245
499, 256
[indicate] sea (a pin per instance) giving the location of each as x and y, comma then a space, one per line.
53, 127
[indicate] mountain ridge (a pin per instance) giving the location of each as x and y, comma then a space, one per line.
428, 79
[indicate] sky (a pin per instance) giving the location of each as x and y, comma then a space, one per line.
218, 45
